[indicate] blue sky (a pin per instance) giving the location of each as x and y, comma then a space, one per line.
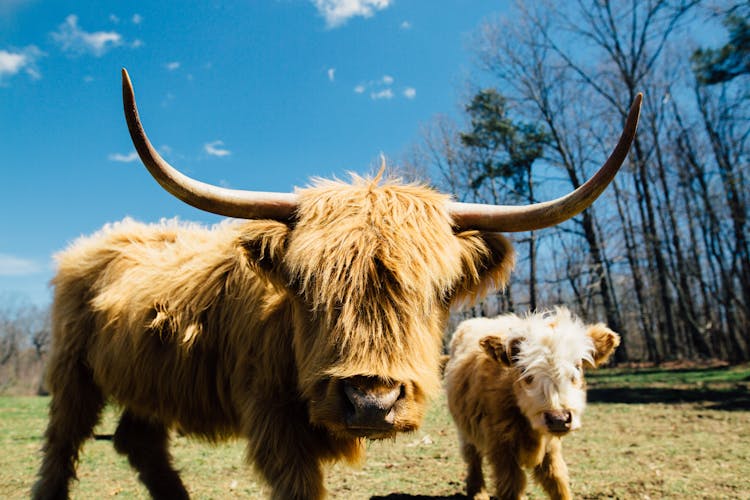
247, 94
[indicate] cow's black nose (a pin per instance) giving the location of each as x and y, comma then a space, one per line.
372, 403
558, 421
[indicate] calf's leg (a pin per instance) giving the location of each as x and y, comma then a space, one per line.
552, 473
475, 487
509, 476
145, 443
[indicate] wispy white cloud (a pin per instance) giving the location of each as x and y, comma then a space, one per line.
405, 25
11, 265
24, 60
216, 148
123, 158
71, 38
382, 94
171, 66
382, 88
338, 12
331, 74
137, 19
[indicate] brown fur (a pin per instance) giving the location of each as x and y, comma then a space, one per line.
489, 377
249, 328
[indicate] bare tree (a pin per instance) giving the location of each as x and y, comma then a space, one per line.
25, 334
666, 260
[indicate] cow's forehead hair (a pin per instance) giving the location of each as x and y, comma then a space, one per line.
355, 239
553, 342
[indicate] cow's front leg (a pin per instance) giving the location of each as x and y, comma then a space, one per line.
552, 473
287, 451
294, 480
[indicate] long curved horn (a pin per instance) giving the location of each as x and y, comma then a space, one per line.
214, 199
540, 215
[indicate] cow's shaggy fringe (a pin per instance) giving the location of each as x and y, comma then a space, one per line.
247, 329
515, 386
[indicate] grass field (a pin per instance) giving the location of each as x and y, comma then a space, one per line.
647, 434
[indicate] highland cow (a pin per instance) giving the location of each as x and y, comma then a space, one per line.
515, 387
314, 324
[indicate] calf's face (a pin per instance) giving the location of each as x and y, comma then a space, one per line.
547, 354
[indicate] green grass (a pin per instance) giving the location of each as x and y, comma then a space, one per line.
646, 434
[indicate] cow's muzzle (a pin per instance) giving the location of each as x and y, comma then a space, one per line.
372, 404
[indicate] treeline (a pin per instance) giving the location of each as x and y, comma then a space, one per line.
25, 334
663, 256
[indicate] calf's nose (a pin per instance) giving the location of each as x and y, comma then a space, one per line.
372, 402
558, 421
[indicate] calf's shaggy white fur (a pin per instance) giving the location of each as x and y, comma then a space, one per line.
515, 387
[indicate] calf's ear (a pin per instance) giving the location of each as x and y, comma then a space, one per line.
264, 244
605, 342
499, 349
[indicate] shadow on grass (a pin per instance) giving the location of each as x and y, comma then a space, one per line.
405, 496
729, 399
662, 371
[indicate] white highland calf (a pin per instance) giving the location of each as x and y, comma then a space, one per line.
515, 386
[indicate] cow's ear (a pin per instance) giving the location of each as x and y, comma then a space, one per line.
501, 350
488, 259
605, 342
264, 243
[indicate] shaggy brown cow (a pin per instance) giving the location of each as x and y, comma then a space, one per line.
305, 330
515, 387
